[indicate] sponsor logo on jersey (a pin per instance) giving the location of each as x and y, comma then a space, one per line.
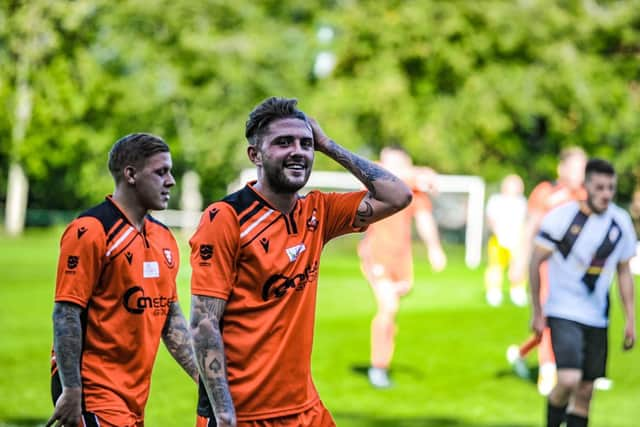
136, 302
81, 231
277, 285
168, 257
294, 252
72, 261
150, 269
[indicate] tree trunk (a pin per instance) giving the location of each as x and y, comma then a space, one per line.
17, 192
18, 184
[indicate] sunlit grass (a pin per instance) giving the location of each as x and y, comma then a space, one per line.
449, 368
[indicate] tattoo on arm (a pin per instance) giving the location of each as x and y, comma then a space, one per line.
364, 213
67, 342
206, 313
367, 172
177, 338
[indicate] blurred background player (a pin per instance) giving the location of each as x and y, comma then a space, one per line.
586, 243
544, 197
387, 261
506, 212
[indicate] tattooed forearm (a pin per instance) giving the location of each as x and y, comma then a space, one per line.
177, 338
367, 172
209, 350
67, 342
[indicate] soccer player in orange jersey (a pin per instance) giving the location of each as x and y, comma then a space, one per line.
387, 259
255, 261
116, 295
544, 197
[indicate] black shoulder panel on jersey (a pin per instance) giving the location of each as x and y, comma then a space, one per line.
154, 220
105, 212
241, 199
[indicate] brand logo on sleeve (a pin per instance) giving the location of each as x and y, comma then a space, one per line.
81, 231
206, 252
212, 214
72, 261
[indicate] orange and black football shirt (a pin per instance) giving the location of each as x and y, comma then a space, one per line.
125, 280
265, 264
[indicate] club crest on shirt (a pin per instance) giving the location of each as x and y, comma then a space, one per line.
295, 251
168, 257
312, 222
613, 234
129, 256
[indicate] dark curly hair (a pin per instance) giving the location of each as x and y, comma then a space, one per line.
267, 111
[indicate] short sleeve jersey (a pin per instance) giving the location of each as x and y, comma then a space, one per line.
265, 264
390, 239
586, 251
125, 280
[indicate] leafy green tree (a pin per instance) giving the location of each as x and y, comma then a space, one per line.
468, 87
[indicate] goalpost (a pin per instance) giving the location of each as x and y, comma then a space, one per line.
469, 210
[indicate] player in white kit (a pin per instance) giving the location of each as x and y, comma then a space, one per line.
586, 244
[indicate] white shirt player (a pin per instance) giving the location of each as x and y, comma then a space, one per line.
586, 251
507, 213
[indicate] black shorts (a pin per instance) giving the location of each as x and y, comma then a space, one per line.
578, 346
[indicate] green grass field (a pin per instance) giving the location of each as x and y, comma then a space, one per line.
449, 369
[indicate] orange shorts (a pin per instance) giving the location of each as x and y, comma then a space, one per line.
397, 268
316, 416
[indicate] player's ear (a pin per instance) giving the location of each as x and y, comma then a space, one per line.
254, 155
129, 173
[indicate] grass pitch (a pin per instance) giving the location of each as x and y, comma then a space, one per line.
449, 368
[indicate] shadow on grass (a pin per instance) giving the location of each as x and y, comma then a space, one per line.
411, 371
361, 420
23, 422
532, 378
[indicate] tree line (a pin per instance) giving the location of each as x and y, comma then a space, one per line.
468, 87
